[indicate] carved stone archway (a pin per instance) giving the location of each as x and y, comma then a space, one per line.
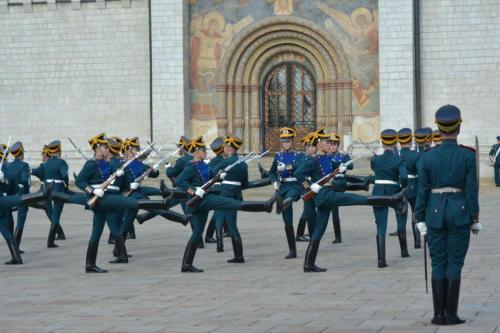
261, 44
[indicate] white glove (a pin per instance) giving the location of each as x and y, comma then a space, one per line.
476, 228
281, 166
342, 168
168, 165
119, 173
98, 192
156, 166
200, 192
276, 186
422, 228
134, 186
315, 187
222, 175
2, 176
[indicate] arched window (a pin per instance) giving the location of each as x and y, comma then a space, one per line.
289, 92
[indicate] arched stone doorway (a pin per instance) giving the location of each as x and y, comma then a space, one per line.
264, 45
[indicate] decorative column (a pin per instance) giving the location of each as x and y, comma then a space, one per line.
255, 121
221, 116
238, 120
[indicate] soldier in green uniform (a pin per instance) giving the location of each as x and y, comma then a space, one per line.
281, 174
437, 139
55, 171
494, 157
447, 209
410, 158
195, 174
115, 160
234, 182
309, 211
19, 172
339, 183
138, 191
8, 200
390, 177
308, 174
217, 147
174, 171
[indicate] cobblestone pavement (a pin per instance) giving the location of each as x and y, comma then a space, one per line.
51, 293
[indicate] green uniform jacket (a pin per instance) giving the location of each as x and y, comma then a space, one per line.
388, 166
91, 175
238, 173
19, 175
176, 170
447, 165
410, 159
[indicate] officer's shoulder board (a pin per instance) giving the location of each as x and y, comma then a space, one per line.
468, 148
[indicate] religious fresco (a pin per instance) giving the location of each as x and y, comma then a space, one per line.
214, 24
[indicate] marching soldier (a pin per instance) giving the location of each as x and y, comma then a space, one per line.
325, 198
193, 177
390, 176
54, 170
494, 157
339, 183
234, 182
309, 211
410, 159
281, 174
447, 209
19, 172
174, 171
115, 160
421, 140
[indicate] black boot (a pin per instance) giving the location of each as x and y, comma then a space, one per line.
90, 266
60, 233
282, 204
122, 257
187, 260
416, 235
153, 204
225, 230
290, 237
201, 245
43, 194
438, 300
14, 252
300, 231
396, 201
238, 250
176, 217
52, 236
381, 251
168, 193
337, 231
403, 244
259, 183
452, 297
394, 233
220, 239
111, 239
143, 217
310, 259
257, 206
18, 235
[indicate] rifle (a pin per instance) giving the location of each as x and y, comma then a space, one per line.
78, 149
310, 194
367, 146
195, 200
4, 156
92, 201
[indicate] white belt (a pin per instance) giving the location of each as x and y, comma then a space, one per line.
340, 175
447, 190
412, 176
287, 180
110, 187
228, 182
57, 181
4, 194
20, 185
385, 182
